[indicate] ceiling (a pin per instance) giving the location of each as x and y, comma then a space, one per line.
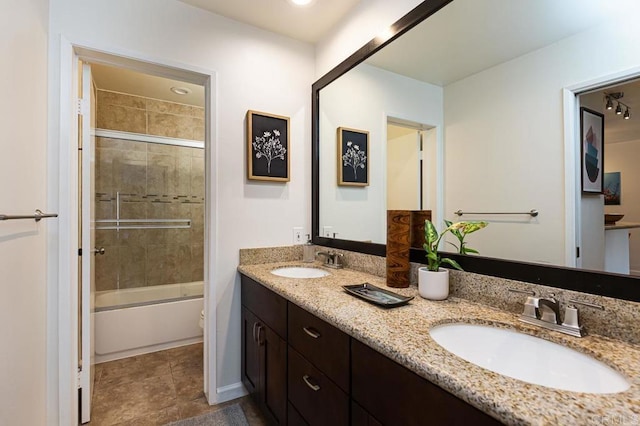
136, 83
457, 42
306, 23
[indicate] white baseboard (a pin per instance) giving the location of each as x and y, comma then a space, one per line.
229, 392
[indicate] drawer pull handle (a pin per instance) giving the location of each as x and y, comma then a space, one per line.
311, 385
311, 332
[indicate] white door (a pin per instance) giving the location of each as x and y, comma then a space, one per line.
403, 168
86, 121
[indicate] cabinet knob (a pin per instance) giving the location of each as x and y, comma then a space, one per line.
306, 378
311, 332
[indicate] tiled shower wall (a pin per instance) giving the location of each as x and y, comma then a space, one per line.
151, 181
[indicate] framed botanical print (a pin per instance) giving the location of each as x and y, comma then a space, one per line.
353, 157
267, 147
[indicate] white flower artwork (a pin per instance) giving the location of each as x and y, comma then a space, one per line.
269, 147
355, 158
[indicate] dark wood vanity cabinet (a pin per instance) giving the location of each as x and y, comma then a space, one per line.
318, 375
303, 371
264, 350
393, 395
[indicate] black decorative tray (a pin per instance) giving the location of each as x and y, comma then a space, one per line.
376, 295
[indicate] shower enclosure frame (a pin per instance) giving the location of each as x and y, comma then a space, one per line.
62, 278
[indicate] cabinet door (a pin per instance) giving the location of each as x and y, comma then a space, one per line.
317, 399
396, 396
250, 353
273, 377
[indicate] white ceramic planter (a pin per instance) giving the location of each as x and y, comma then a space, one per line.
433, 285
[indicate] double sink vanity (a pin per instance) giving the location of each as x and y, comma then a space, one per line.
314, 354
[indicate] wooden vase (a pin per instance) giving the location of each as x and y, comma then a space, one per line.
417, 227
398, 246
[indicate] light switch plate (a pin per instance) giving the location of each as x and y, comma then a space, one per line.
298, 235
327, 231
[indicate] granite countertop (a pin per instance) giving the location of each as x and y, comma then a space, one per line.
622, 225
402, 334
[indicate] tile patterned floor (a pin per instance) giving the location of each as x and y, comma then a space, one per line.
155, 389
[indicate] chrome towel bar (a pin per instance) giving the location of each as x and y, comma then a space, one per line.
37, 216
532, 213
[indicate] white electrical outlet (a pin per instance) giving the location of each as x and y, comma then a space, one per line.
327, 231
298, 235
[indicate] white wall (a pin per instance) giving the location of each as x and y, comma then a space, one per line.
623, 157
507, 121
403, 168
23, 118
366, 21
592, 242
362, 99
255, 70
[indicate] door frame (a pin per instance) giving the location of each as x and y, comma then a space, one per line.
573, 194
62, 185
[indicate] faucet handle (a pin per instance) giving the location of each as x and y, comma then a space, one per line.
571, 318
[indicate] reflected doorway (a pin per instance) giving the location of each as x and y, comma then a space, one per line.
411, 166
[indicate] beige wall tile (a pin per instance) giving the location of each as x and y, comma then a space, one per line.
155, 105
198, 133
197, 262
161, 265
130, 172
110, 143
132, 266
113, 98
174, 126
197, 177
125, 119
107, 268
161, 174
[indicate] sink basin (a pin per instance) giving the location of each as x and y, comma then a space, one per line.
528, 358
300, 272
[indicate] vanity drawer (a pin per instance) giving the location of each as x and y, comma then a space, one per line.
322, 344
313, 395
270, 307
395, 395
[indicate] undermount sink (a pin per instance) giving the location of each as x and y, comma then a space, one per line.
528, 358
300, 272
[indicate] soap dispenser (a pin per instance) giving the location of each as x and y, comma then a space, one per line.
308, 253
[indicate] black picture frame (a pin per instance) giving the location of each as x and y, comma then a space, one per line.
591, 151
268, 147
353, 157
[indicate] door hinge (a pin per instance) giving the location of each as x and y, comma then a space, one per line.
79, 379
577, 252
82, 107
80, 252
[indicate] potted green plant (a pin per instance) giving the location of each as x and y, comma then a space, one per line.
460, 230
433, 281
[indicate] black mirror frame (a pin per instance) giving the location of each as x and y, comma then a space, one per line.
599, 283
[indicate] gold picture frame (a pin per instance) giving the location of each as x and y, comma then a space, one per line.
353, 157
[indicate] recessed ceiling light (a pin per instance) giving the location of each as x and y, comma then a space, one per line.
180, 90
301, 2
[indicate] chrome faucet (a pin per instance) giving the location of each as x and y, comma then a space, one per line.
332, 259
549, 310
545, 312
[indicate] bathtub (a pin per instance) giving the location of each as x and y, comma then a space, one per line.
135, 321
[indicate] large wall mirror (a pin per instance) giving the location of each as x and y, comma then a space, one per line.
473, 106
